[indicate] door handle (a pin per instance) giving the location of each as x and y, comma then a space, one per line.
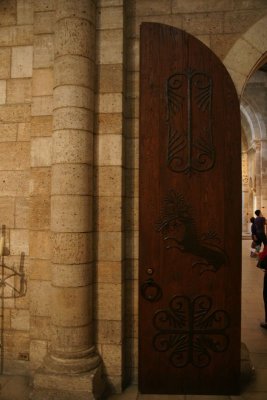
150, 290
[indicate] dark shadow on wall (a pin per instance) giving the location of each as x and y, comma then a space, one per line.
130, 208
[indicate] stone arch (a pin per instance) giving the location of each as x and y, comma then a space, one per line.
251, 121
247, 54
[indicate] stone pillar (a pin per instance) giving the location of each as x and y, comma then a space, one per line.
257, 183
245, 195
72, 365
263, 170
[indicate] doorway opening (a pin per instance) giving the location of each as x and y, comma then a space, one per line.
254, 146
254, 189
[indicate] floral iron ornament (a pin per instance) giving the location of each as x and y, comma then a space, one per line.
190, 331
179, 231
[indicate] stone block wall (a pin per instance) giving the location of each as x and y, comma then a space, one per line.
16, 65
26, 89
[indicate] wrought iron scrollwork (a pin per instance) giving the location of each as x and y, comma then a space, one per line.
13, 283
190, 144
190, 330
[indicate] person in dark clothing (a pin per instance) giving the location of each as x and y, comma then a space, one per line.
255, 245
263, 257
264, 323
253, 229
260, 223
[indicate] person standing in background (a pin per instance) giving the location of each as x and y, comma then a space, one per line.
259, 224
262, 264
255, 246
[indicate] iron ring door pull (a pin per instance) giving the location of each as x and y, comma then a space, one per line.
150, 290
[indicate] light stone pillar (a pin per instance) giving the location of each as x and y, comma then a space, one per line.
245, 195
245, 213
264, 177
72, 368
258, 176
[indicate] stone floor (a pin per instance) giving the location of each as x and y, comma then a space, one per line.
16, 387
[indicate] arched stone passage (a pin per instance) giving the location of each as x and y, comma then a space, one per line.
252, 121
246, 53
254, 131
242, 60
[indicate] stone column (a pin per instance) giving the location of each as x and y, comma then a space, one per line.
72, 354
263, 171
245, 195
257, 184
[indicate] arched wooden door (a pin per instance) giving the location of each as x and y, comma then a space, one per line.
190, 218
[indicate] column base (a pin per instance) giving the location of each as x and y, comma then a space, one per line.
247, 368
73, 363
53, 386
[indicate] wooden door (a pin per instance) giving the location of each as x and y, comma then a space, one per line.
190, 218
